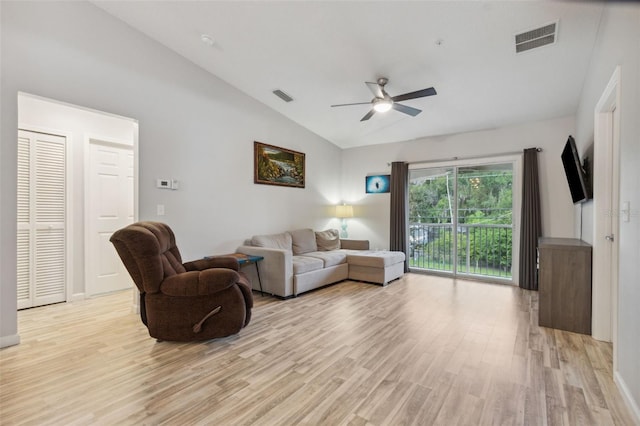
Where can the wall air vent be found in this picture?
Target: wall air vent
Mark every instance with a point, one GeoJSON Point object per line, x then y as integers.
{"type": "Point", "coordinates": [538, 37]}
{"type": "Point", "coordinates": [279, 93]}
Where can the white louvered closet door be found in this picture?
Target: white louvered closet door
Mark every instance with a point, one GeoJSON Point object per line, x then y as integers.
{"type": "Point", "coordinates": [41, 270]}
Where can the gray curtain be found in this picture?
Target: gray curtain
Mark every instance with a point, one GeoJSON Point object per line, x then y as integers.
{"type": "Point", "coordinates": [399, 209]}
{"type": "Point", "coordinates": [531, 228]}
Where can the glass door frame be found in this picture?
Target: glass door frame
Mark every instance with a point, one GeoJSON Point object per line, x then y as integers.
{"type": "Point", "coordinates": [516, 161]}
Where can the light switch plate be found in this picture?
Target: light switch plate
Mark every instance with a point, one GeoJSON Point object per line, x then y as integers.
{"type": "Point", "coordinates": [160, 209]}
{"type": "Point", "coordinates": [626, 211]}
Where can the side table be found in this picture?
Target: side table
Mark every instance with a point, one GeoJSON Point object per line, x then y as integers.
{"type": "Point", "coordinates": [245, 259]}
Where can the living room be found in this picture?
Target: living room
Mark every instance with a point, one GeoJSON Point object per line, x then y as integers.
{"type": "Point", "coordinates": [197, 129]}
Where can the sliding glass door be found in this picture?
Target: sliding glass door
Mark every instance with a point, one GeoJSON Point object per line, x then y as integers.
{"type": "Point", "coordinates": [461, 220]}
{"type": "Point", "coordinates": [431, 218]}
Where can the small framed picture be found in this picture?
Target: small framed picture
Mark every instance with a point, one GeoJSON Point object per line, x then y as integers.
{"type": "Point", "coordinates": [378, 184]}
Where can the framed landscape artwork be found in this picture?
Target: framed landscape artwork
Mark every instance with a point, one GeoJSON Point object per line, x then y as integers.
{"type": "Point", "coordinates": [378, 184]}
{"type": "Point", "coordinates": [273, 165]}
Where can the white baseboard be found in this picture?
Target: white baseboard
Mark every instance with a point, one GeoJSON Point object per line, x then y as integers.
{"type": "Point", "coordinates": [76, 297]}
{"type": "Point", "coordinates": [628, 398]}
{"type": "Point", "coordinates": [12, 340]}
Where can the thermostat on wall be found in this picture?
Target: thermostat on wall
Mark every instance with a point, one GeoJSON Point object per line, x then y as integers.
{"type": "Point", "coordinates": [167, 183]}
{"type": "Point", "coordinates": [163, 183]}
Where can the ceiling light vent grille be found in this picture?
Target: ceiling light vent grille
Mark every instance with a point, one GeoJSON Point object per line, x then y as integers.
{"type": "Point", "coordinates": [279, 93]}
{"type": "Point", "coordinates": [538, 37]}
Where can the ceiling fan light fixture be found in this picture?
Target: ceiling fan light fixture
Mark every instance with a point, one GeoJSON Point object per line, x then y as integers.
{"type": "Point", "coordinates": [382, 105]}
{"type": "Point", "coordinates": [382, 102]}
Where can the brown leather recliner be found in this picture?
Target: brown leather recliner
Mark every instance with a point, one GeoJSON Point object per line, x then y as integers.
{"type": "Point", "coordinates": [198, 300]}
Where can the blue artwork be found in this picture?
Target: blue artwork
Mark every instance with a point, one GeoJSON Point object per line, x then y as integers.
{"type": "Point", "coordinates": [377, 184]}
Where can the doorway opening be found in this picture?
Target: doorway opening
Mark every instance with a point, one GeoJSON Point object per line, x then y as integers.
{"type": "Point", "coordinates": [68, 257]}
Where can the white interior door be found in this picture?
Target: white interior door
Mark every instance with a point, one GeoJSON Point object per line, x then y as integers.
{"type": "Point", "coordinates": [41, 212]}
{"type": "Point", "coordinates": [109, 195]}
{"type": "Point", "coordinates": [613, 226]}
{"type": "Point", "coordinates": [606, 194]}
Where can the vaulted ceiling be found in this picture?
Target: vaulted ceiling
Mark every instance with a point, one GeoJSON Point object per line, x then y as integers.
{"type": "Point", "coordinates": [321, 53]}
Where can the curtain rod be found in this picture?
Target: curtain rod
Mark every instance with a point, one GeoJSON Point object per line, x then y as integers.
{"type": "Point", "coordinates": [475, 157]}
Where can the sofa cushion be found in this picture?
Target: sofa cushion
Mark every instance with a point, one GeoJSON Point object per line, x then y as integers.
{"type": "Point", "coordinates": [330, 258]}
{"type": "Point", "coordinates": [302, 264]}
{"type": "Point", "coordinates": [303, 241]}
{"type": "Point", "coordinates": [375, 259]}
{"type": "Point", "coordinates": [278, 241]}
{"type": "Point", "coordinates": [328, 240]}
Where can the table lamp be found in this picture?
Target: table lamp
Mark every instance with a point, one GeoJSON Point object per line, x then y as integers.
{"type": "Point", "coordinates": [343, 212]}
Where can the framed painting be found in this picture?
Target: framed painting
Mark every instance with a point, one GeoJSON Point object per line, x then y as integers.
{"type": "Point", "coordinates": [273, 165]}
{"type": "Point", "coordinates": [377, 184]}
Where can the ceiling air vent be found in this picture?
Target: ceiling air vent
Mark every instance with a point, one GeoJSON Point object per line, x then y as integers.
{"type": "Point", "coordinates": [279, 93]}
{"type": "Point", "coordinates": [538, 37]}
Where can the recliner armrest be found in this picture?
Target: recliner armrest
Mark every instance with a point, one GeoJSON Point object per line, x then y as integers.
{"type": "Point", "coordinates": [199, 283]}
{"type": "Point", "coordinates": [228, 262]}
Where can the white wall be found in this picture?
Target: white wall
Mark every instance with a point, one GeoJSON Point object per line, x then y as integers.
{"type": "Point", "coordinates": [192, 127]}
{"type": "Point", "coordinates": [372, 210]}
{"type": "Point", "coordinates": [77, 125]}
{"type": "Point", "coordinates": [618, 43]}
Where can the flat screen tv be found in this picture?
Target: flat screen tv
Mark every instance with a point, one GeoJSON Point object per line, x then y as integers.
{"type": "Point", "coordinates": [576, 176]}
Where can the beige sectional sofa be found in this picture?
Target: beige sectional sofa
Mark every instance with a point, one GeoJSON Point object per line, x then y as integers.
{"type": "Point", "coordinates": [302, 260]}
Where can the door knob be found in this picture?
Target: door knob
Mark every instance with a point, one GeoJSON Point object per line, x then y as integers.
{"type": "Point", "coordinates": [609, 238]}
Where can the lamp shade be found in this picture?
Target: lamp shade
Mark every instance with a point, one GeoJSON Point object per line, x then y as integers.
{"type": "Point", "coordinates": [344, 211]}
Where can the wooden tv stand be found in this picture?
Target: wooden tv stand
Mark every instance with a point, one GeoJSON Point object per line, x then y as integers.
{"type": "Point", "coordinates": [564, 284]}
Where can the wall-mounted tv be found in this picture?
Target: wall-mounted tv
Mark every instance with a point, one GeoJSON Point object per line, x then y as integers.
{"type": "Point", "coordinates": [576, 176]}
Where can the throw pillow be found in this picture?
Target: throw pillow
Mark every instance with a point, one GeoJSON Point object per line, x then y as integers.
{"type": "Point", "coordinates": [303, 240]}
{"type": "Point", "coordinates": [328, 240]}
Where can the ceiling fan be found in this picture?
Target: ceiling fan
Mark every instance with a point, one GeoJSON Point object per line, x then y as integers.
{"type": "Point", "coordinates": [382, 102]}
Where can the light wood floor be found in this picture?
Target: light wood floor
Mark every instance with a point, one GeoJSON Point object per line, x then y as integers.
{"type": "Point", "coordinates": [423, 350]}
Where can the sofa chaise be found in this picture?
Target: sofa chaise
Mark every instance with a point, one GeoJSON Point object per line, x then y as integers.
{"type": "Point", "coordinates": [302, 260]}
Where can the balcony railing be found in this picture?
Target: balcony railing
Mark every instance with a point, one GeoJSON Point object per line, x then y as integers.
{"type": "Point", "coordinates": [483, 249]}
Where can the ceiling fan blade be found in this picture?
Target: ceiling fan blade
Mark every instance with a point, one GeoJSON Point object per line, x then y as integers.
{"type": "Point", "coordinates": [406, 109]}
{"type": "Point", "coordinates": [375, 89]}
{"type": "Point", "coordinates": [369, 115]}
{"type": "Point", "coordinates": [357, 103]}
{"type": "Point", "coordinates": [413, 95]}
